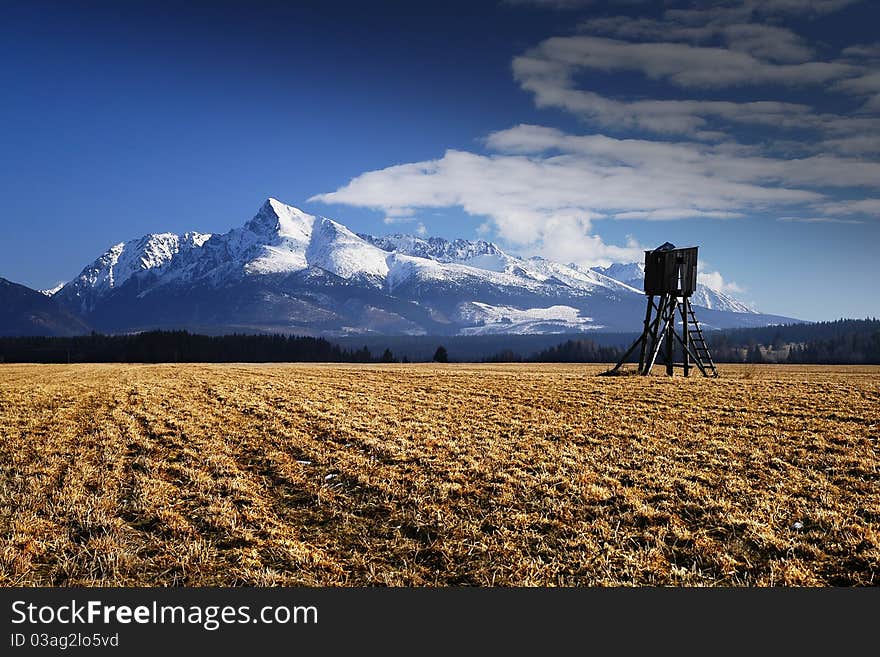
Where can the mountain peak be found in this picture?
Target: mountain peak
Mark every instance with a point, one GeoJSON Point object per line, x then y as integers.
{"type": "Point", "coordinates": [277, 218]}
{"type": "Point", "coordinates": [630, 273]}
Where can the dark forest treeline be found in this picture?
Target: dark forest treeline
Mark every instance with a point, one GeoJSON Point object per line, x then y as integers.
{"type": "Point", "coordinates": [571, 351]}
{"type": "Point", "coordinates": [845, 341]}
{"type": "Point", "coordinates": [578, 351]}
{"type": "Point", "coordinates": [856, 349]}
{"type": "Point", "coordinates": [177, 346]}
{"type": "Point", "coordinates": [797, 333]}
{"type": "Point", "coordinates": [838, 342]}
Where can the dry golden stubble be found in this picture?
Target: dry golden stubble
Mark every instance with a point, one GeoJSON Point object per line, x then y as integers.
{"type": "Point", "coordinates": [415, 475]}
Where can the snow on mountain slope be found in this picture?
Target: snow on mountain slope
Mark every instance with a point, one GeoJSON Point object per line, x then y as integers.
{"type": "Point", "coordinates": [631, 273]}
{"type": "Point", "coordinates": [415, 271]}
{"type": "Point", "coordinates": [706, 297]}
{"type": "Point", "coordinates": [478, 255]}
{"type": "Point", "coordinates": [573, 276]}
{"type": "Point", "coordinates": [52, 290]}
{"type": "Point", "coordinates": [483, 259]}
{"type": "Point", "coordinates": [436, 248]}
{"type": "Point", "coordinates": [282, 239]}
{"type": "Point", "coordinates": [336, 249]}
{"type": "Point", "coordinates": [274, 241]}
{"type": "Point", "coordinates": [124, 260]}
{"type": "Point", "coordinates": [490, 319]}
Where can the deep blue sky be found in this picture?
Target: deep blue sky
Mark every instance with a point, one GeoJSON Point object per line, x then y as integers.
{"type": "Point", "coordinates": [120, 119]}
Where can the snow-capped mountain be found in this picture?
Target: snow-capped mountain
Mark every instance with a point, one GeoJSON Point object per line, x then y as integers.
{"type": "Point", "coordinates": [52, 290]}
{"type": "Point", "coordinates": [706, 297]}
{"type": "Point", "coordinates": [122, 261]}
{"type": "Point", "coordinates": [286, 270]}
{"type": "Point", "coordinates": [633, 274]}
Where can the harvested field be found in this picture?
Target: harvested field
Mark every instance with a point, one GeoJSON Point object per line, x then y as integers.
{"type": "Point", "coordinates": [437, 475]}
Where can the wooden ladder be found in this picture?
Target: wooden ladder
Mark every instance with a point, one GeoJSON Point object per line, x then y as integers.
{"type": "Point", "coordinates": [698, 341]}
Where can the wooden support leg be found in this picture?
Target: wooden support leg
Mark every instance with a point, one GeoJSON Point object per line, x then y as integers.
{"type": "Point", "coordinates": [686, 360]}
{"type": "Point", "coordinates": [670, 344]}
{"type": "Point", "coordinates": [654, 336]}
{"type": "Point", "coordinates": [646, 329]}
{"type": "Point", "coordinates": [659, 332]}
{"type": "Point", "coordinates": [641, 340]}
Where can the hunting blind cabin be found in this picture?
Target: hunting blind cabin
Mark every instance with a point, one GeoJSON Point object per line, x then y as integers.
{"type": "Point", "coordinates": [671, 278]}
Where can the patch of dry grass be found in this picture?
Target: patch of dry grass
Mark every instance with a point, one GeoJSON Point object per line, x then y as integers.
{"type": "Point", "coordinates": [437, 475]}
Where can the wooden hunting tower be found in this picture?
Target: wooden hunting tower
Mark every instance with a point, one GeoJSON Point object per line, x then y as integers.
{"type": "Point", "coordinates": [671, 277]}
{"type": "Point", "coordinates": [671, 271]}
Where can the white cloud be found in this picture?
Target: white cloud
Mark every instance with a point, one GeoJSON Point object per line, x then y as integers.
{"type": "Point", "coordinates": [677, 213]}
{"type": "Point", "coordinates": [542, 189]}
{"type": "Point", "coordinates": [867, 84]}
{"type": "Point", "coordinates": [810, 7]}
{"type": "Point", "coordinates": [679, 64]}
{"type": "Point", "coordinates": [819, 220]}
{"type": "Point", "coordinates": [866, 50]}
{"type": "Point", "coordinates": [551, 73]}
{"type": "Point", "coordinates": [840, 212]}
{"type": "Point", "coordinates": [715, 166]}
{"type": "Point", "coordinates": [501, 188]}
{"type": "Point", "coordinates": [872, 104]}
{"type": "Point", "coordinates": [748, 9]}
{"type": "Point", "coordinates": [867, 206]}
{"type": "Point", "coordinates": [715, 281]}
{"type": "Point", "coordinates": [854, 145]}
{"type": "Point", "coordinates": [673, 117]}
{"type": "Point", "coordinates": [765, 42]}
{"type": "Point", "coordinates": [864, 84]}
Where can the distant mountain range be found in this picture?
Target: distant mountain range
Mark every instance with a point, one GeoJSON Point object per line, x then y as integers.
{"type": "Point", "coordinates": [24, 311]}
{"type": "Point", "coordinates": [288, 271]}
